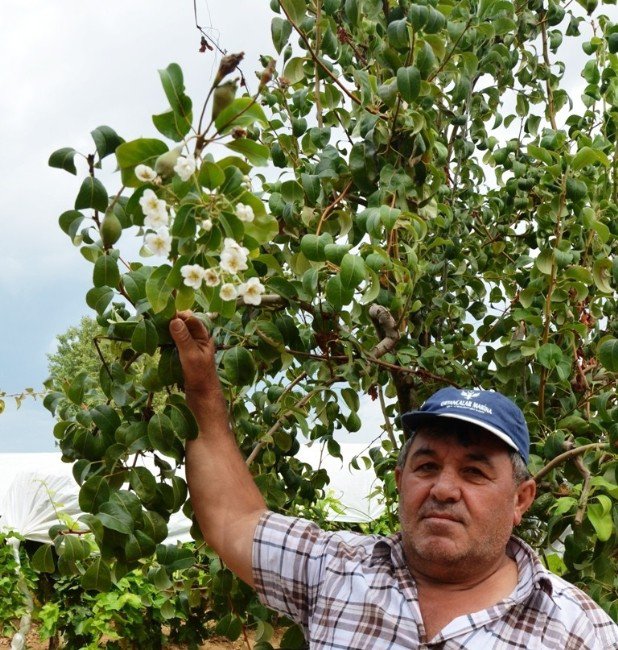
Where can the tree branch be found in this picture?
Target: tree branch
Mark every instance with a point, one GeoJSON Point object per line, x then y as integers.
{"type": "Point", "coordinates": [567, 455]}
{"type": "Point", "coordinates": [386, 327]}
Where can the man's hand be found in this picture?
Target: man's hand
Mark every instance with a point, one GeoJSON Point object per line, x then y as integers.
{"type": "Point", "coordinates": [197, 356]}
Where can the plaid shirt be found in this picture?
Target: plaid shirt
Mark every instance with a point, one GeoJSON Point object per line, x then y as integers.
{"type": "Point", "coordinates": [351, 591]}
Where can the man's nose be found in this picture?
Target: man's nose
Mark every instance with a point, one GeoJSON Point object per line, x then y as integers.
{"type": "Point", "coordinates": [446, 487]}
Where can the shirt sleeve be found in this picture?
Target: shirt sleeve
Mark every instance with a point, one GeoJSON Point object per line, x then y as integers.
{"type": "Point", "coordinates": [287, 564]}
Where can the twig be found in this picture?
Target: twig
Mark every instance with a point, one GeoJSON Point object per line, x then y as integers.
{"type": "Point", "coordinates": [567, 455]}
{"type": "Point", "coordinates": [95, 340]}
{"type": "Point", "coordinates": [583, 499]}
{"type": "Point", "coordinates": [331, 207]}
{"type": "Point", "coordinates": [387, 422]}
{"type": "Point", "coordinates": [279, 423]}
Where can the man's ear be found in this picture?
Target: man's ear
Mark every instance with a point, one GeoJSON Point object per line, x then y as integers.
{"type": "Point", "coordinates": [398, 478]}
{"type": "Point", "coordinates": [524, 496]}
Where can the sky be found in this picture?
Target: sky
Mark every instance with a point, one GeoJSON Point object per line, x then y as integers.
{"type": "Point", "coordinates": [68, 67]}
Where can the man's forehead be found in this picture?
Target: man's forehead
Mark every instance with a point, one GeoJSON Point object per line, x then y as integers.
{"type": "Point", "coordinates": [472, 440]}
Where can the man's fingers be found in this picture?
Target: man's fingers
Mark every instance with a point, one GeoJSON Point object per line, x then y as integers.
{"type": "Point", "coordinates": [194, 325]}
{"type": "Point", "coordinates": [180, 332]}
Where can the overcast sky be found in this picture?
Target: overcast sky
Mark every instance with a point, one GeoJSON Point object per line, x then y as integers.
{"type": "Point", "coordinates": [68, 67]}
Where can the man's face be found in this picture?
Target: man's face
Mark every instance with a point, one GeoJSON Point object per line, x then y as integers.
{"type": "Point", "coordinates": [458, 503]}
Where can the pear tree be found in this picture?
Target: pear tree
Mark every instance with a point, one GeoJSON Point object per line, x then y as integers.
{"type": "Point", "coordinates": [409, 196]}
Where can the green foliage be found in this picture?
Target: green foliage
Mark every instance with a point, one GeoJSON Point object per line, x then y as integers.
{"type": "Point", "coordinates": [431, 170]}
{"type": "Point", "coordinates": [12, 603]}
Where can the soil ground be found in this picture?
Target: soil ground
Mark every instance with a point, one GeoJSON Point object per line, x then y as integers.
{"type": "Point", "coordinates": [33, 642]}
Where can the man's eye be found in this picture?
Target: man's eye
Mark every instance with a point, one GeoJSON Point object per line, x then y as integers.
{"type": "Point", "coordinates": [474, 471]}
{"type": "Point", "coordinates": [425, 467]}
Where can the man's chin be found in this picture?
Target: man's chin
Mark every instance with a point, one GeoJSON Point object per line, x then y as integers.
{"type": "Point", "coordinates": [439, 548]}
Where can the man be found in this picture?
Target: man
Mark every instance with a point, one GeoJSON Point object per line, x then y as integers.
{"type": "Point", "coordinates": [453, 578]}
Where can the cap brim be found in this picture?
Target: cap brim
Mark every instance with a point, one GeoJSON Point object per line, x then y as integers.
{"type": "Point", "coordinates": [413, 420]}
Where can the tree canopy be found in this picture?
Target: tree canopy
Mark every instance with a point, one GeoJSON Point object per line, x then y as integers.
{"type": "Point", "coordinates": [409, 197]}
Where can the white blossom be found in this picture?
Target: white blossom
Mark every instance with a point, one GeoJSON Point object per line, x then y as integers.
{"type": "Point", "coordinates": [193, 275]}
{"type": "Point", "coordinates": [159, 243]}
{"type": "Point", "coordinates": [228, 291]}
{"type": "Point", "coordinates": [232, 244]}
{"type": "Point", "coordinates": [233, 257]}
{"type": "Point", "coordinates": [251, 291]}
{"type": "Point", "coordinates": [149, 202]}
{"type": "Point", "coordinates": [207, 225]}
{"type": "Point", "coordinates": [145, 173]}
{"type": "Point", "coordinates": [185, 167]}
{"type": "Point", "coordinates": [244, 212]}
{"type": "Point", "coordinates": [211, 278]}
{"type": "Point", "coordinates": [157, 217]}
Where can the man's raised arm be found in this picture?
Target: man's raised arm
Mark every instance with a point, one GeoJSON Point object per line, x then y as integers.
{"type": "Point", "coordinates": [226, 501]}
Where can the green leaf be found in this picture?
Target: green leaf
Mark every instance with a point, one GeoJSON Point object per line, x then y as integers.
{"type": "Point", "coordinates": [171, 125]}
{"type": "Point", "coordinates": [312, 186]}
{"type": "Point", "coordinates": [154, 526]}
{"type": "Point", "coordinates": [243, 111]}
{"type": "Point", "coordinates": [295, 9]}
{"type": "Point", "coordinates": [113, 516]}
{"type": "Point", "coordinates": [174, 88]}
{"type": "Point", "coordinates": [544, 261]}
{"type": "Point", "coordinates": [98, 298]}
{"type": "Point", "coordinates": [549, 355]}
{"type": "Point", "coordinates": [600, 516]}
{"type": "Point", "coordinates": [293, 638]}
{"type": "Point", "coordinates": [161, 433]}
{"type": "Point", "coordinates": [409, 82]}
{"type": "Point", "coordinates": [138, 546]}
{"type": "Point", "coordinates": [106, 419]}
{"type": "Point", "coordinates": [336, 294]}
{"type": "Point", "coordinates": [106, 273]}
{"type": "Point", "coordinates": [175, 558]}
{"type": "Point", "coordinates": [294, 70]}
{"type": "Point", "coordinates": [239, 366]}
{"type": "Point", "coordinates": [257, 154]}
{"type": "Point", "coordinates": [426, 60]}
{"type": "Point", "coordinates": [169, 368]}
{"type": "Point", "coordinates": [280, 30]}
{"type": "Point", "coordinates": [77, 388]}
{"type": "Point", "coordinates": [106, 140]}
{"type": "Point", "coordinates": [352, 271]}
{"type": "Point", "coordinates": [282, 287]}
{"type": "Point", "coordinates": [313, 247]}
{"type": "Point", "coordinates": [373, 290]}
{"type": "Point", "coordinates": [92, 194]}
{"type": "Point", "coordinates": [158, 291]}
{"type": "Point", "coordinates": [335, 252]}
{"type": "Point", "coordinates": [43, 559]}
{"type": "Point", "coordinates": [98, 576]}
{"type": "Point", "coordinates": [608, 354]}
{"type": "Point", "coordinates": [64, 159]}
{"type": "Point", "coordinates": [397, 33]}
{"type": "Point", "coordinates": [230, 625]}
{"type": "Point", "coordinates": [72, 549]}
{"type": "Point", "coordinates": [70, 222]}
{"type": "Point", "coordinates": [93, 493]}
{"type": "Point", "coordinates": [145, 338]}
{"type": "Point", "coordinates": [211, 175]}
{"type": "Point", "coordinates": [544, 155]}
{"type": "Point", "coordinates": [143, 151]}
{"type": "Point", "coordinates": [602, 274]}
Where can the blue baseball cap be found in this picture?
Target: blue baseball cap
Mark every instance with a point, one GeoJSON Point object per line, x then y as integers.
{"type": "Point", "coordinates": [487, 409]}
